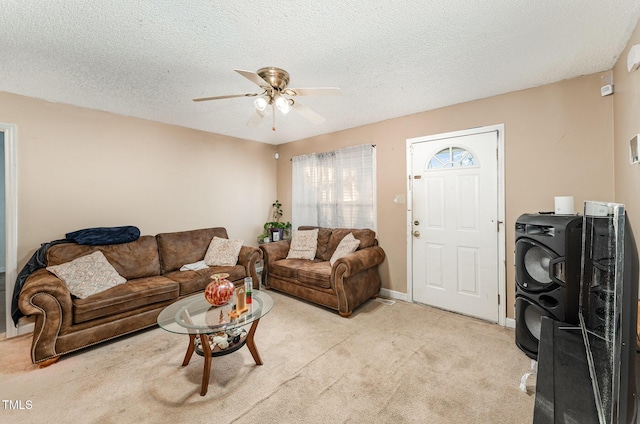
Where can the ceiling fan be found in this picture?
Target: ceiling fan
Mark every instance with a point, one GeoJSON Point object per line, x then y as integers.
{"type": "Point", "coordinates": [273, 82]}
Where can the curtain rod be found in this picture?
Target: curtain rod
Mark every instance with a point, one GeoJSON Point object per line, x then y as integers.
{"type": "Point", "coordinates": [291, 159]}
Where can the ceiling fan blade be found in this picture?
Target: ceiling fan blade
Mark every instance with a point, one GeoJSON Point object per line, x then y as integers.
{"type": "Point", "coordinates": [255, 119]}
{"type": "Point", "coordinates": [311, 115]}
{"type": "Point", "coordinates": [314, 91]}
{"type": "Point", "coordinates": [230, 96]}
{"type": "Point", "coordinates": [254, 78]}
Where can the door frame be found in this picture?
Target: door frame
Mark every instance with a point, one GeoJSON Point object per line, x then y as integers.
{"type": "Point", "coordinates": [502, 287]}
{"type": "Point", "coordinates": [11, 219]}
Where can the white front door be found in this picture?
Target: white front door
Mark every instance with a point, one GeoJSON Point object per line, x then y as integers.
{"type": "Point", "coordinates": [454, 224]}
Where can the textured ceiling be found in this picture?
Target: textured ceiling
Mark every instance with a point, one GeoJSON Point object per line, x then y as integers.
{"type": "Point", "coordinates": [148, 59]}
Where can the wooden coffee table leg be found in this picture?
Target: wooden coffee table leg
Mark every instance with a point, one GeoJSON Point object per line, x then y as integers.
{"type": "Point", "coordinates": [190, 349]}
{"type": "Point", "coordinates": [251, 343]}
{"type": "Point", "coordinates": [206, 351]}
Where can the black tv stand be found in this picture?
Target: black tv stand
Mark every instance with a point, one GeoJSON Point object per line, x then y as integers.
{"type": "Point", "coordinates": [564, 393]}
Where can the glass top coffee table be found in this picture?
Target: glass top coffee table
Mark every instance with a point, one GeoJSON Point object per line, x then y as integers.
{"type": "Point", "coordinates": [211, 330]}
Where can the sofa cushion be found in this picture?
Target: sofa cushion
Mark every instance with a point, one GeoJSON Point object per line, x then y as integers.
{"type": "Point", "coordinates": [185, 247]}
{"type": "Point", "coordinates": [223, 252]}
{"type": "Point", "coordinates": [194, 281]}
{"type": "Point", "coordinates": [136, 259]}
{"type": "Point", "coordinates": [347, 245]}
{"type": "Point", "coordinates": [125, 297]}
{"type": "Point", "coordinates": [323, 242]}
{"type": "Point", "coordinates": [315, 273]}
{"type": "Point", "coordinates": [87, 275]}
{"type": "Point", "coordinates": [366, 237]}
{"type": "Point", "coordinates": [303, 245]}
{"type": "Point", "coordinates": [287, 268]}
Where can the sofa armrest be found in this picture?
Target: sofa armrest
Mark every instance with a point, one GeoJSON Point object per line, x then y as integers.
{"type": "Point", "coordinates": [355, 278]}
{"type": "Point", "coordinates": [272, 252]}
{"type": "Point", "coordinates": [275, 251]}
{"type": "Point", "coordinates": [248, 257]}
{"type": "Point", "coordinates": [358, 261]}
{"type": "Point", "coordinates": [48, 298]}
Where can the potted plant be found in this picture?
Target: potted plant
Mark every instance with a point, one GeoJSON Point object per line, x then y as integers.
{"type": "Point", "coordinates": [275, 230]}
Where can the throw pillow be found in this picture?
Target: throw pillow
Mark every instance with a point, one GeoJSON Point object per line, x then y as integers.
{"type": "Point", "coordinates": [303, 244]}
{"type": "Point", "coordinates": [223, 252]}
{"type": "Point", "coordinates": [87, 275]}
{"type": "Point", "coordinates": [347, 245]}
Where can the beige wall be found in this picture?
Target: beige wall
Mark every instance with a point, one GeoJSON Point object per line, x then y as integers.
{"type": "Point", "coordinates": [626, 124]}
{"type": "Point", "coordinates": [558, 141]}
{"type": "Point", "coordinates": [81, 168]}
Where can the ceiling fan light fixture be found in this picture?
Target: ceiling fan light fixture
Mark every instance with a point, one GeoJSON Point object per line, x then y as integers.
{"type": "Point", "coordinates": [275, 94]}
{"type": "Point", "coordinates": [283, 105]}
{"type": "Point", "coordinates": [261, 104]}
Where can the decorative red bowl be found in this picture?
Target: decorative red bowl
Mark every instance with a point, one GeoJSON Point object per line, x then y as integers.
{"type": "Point", "coordinates": [220, 291]}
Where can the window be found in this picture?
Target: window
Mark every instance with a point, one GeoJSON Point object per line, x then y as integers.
{"type": "Point", "coordinates": [451, 157]}
{"type": "Point", "coordinates": [335, 189]}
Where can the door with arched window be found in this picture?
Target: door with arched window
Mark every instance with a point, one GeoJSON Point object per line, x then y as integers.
{"type": "Point", "coordinates": [454, 224]}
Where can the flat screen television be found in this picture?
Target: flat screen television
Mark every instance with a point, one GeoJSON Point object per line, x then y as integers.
{"type": "Point", "coordinates": [608, 309]}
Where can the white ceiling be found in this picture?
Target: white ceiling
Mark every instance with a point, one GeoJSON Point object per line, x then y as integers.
{"type": "Point", "coordinates": [149, 58]}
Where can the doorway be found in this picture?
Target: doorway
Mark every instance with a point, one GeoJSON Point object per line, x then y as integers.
{"type": "Point", "coordinates": [3, 291]}
{"type": "Point", "coordinates": [9, 224]}
{"type": "Point", "coordinates": [455, 231]}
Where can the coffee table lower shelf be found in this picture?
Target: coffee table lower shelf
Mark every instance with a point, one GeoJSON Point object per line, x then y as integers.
{"type": "Point", "coordinates": [206, 352]}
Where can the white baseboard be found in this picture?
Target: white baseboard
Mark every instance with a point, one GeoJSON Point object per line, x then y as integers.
{"type": "Point", "coordinates": [392, 294]}
{"type": "Point", "coordinates": [510, 323]}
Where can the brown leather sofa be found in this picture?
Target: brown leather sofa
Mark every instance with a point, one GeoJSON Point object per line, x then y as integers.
{"type": "Point", "coordinates": [351, 281]}
{"type": "Point", "coordinates": [151, 266]}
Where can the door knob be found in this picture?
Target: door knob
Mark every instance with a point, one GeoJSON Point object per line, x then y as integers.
{"type": "Point", "coordinates": [416, 233]}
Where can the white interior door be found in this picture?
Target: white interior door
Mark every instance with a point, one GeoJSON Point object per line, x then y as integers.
{"type": "Point", "coordinates": [455, 224]}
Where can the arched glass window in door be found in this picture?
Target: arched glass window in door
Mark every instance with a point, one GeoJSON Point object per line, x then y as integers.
{"type": "Point", "coordinates": [451, 157]}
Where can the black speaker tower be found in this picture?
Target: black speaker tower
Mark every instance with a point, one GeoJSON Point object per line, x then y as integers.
{"type": "Point", "coordinates": [547, 261]}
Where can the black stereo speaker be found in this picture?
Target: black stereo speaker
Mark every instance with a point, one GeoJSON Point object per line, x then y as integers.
{"type": "Point", "coordinates": [547, 261]}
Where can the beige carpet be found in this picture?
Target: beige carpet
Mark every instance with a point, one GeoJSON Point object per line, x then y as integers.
{"type": "Point", "coordinates": [400, 363]}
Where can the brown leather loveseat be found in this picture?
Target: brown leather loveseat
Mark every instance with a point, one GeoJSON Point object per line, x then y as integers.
{"type": "Point", "coordinates": [351, 281]}
{"type": "Point", "coordinates": [151, 265]}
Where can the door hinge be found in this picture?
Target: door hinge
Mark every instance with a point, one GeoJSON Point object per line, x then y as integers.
{"type": "Point", "coordinates": [498, 299]}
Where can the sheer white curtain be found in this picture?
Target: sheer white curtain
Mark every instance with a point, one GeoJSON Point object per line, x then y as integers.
{"type": "Point", "coordinates": [335, 189]}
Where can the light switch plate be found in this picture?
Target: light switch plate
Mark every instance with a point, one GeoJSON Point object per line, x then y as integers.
{"type": "Point", "coordinates": [633, 149]}
{"type": "Point", "coordinates": [399, 199]}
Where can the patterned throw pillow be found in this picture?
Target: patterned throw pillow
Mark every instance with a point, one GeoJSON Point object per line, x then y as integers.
{"type": "Point", "coordinates": [223, 252]}
{"type": "Point", "coordinates": [87, 275]}
{"type": "Point", "coordinates": [303, 244]}
{"type": "Point", "coordinates": [347, 245]}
